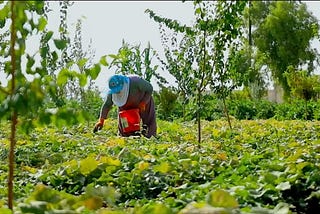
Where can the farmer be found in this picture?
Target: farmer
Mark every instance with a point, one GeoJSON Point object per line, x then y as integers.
{"type": "Point", "coordinates": [130, 93]}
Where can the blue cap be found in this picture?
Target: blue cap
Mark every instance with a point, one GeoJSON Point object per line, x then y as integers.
{"type": "Point", "coordinates": [116, 83]}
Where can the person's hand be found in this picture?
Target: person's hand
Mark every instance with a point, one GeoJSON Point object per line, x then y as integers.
{"type": "Point", "coordinates": [142, 106]}
{"type": "Point", "coordinates": [98, 125]}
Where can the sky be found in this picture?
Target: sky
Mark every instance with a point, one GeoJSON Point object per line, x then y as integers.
{"type": "Point", "coordinates": [107, 23]}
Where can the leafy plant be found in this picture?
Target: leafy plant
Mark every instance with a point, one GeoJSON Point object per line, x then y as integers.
{"type": "Point", "coordinates": [131, 60]}
{"type": "Point", "coordinates": [303, 86]}
{"type": "Point", "coordinates": [168, 105]}
{"type": "Point", "coordinates": [259, 166]}
{"type": "Point", "coordinates": [27, 88]}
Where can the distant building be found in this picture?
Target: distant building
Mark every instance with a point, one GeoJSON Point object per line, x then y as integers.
{"type": "Point", "coordinates": [275, 95]}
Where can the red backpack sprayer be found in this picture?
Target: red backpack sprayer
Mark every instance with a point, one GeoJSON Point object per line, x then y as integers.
{"type": "Point", "coordinates": [130, 121]}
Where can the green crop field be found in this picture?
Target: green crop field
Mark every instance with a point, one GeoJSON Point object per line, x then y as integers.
{"type": "Point", "coordinates": [265, 166]}
{"type": "Point", "coordinates": [244, 74]}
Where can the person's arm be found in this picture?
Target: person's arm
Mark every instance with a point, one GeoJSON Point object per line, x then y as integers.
{"type": "Point", "coordinates": [103, 113]}
{"type": "Point", "coordinates": [105, 108]}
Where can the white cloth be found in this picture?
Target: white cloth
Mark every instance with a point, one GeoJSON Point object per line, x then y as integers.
{"type": "Point", "coordinates": [120, 99]}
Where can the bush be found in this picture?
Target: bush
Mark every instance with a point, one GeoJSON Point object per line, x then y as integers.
{"type": "Point", "coordinates": [295, 110]}
{"type": "Point", "coordinates": [167, 105]}
{"type": "Point", "coordinates": [265, 109]}
{"type": "Point", "coordinates": [242, 109]}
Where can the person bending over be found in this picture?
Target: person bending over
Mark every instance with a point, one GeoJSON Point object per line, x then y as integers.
{"type": "Point", "coordinates": [130, 93]}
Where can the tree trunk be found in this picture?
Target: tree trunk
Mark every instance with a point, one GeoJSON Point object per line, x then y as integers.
{"type": "Point", "coordinates": [306, 110]}
{"type": "Point", "coordinates": [14, 117]}
{"type": "Point", "coordinates": [226, 112]}
{"type": "Point", "coordinates": [198, 117]}
{"type": "Point", "coordinates": [11, 159]}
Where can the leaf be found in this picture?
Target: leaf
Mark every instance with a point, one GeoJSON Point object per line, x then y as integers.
{"type": "Point", "coordinates": [103, 61]}
{"type": "Point", "coordinates": [63, 77]}
{"type": "Point", "coordinates": [44, 52]}
{"type": "Point", "coordinates": [221, 198]}
{"type": "Point", "coordinates": [5, 211]}
{"type": "Point", "coordinates": [35, 207]}
{"type": "Point", "coordinates": [82, 62]}
{"type": "Point", "coordinates": [88, 165]}
{"type": "Point", "coordinates": [281, 208]}
{"type": "Point", "coordinates": [94, 71]}
{"type": "Point", "coordinates": [82, 79]}
{"type": "Point", "coordinates": [60, 44]}
{"type": "Point", "coordinates": [45, 194]}
{"type": "Point", "coordinates": [110, 161]}
{"type": "Point", "coordinates": [157, 208]}
{"type": "Point", "coordinates": [113, 56]}
{"type": "Point", "coordinates": [93, 203]}
{"type": "Point", "coordinates": [4, 12]}
{"type": "Point", "coordinates": [48, 36]}
{"type": "Point", "coordinates": [42, 23]}
{"type": "Point", "coordinates": [283, 186]}
{"type": "Point", "coordinates": [164, 167]}
{"type": "Point", "coordinates": [142, 165]}
{"type": "Point", "coordinates": [30, 63]}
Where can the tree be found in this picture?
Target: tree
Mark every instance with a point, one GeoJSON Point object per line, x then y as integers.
{"type": "Point", "coordinates": [226, 31]}
{"type": "Point", "coordinates": [201, 61]}
{"type": "Point", "coordinates": [283, 33]}
{"type": "Point", "coordinates": [250, 62]}
{"type": "Point", "coordinates": [28, 87]}
{"type": "Point", "coordinates": [254, 77]}
{"type": "Point", "coordinates": [191, 72]}
{"type": "Point", "coordinates": [179, 59]}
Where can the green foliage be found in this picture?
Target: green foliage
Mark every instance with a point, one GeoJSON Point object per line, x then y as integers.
{"type": "Point", "coordinates": [46, 81]}
{"type": "Point", "coordinates": [302, 85]}
{"type": "Point", "coordinates": [292, 111]}
{"type": "Point", "coordinates": [26, 96]}
{"type": "Point", "coordinates": [245, 109]}
{"type": "Point", "coordinates": [241, 106]}
{"type": "Point", "coordinates": [179, 58]}
{"type": "Point", "coordinates": [167, 104]}
{"type": "Point", "coordinates": [172, 24]}
{"type": "Point", "coordinates": [249, 66]}
{"type": "Point", "coordinates": [259, 166]}
{"type": "Point", "coordinates": [283, 35]}
{"type": "Point", "coordinates": [221, 198]}
{"type": "Point", "coordinates": [91, 103]}
{"type": "Point", "coordinates": [196, 67]}
{"type": "Point", "coordinates": [131, 60]}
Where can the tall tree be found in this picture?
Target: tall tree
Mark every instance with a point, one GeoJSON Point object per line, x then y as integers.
{"type": "Point", "coordinates": [226, 31]}
{"type": "Point", "coordinates": [27, 88]}
{"type": "Point", "coordinates": [284, 30]}
{"type": "Point", "coordinates": [214, 30]}
{"type": "Point", "coordinates": [72, 55]}
{"type": "Point", "coordinates": [179, 59]}
{"type": "Point", "coordinates": [187, 62]}
{"type": "Point", "coordinates": [250, 62]}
